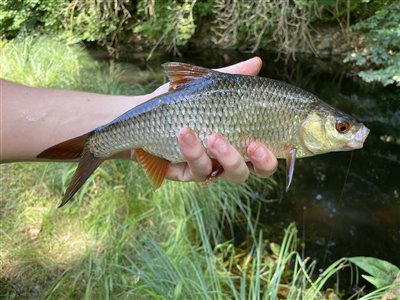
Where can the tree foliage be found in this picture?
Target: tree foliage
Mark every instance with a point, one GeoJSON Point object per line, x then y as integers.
{"type": "Point", "coordinates": [380, 49]}
{"type": "Point", "coordinates": [29, 15]}
{"type": "Point", "coordinates": [169, 24]}
{"type": "Point", "coordinates": [285, 26]}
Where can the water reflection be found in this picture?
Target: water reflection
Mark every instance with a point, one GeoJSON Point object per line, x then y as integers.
{"type": "Point", "coordinates": [345, 204]}
{"type": "Point", "coordinates": [348, 202]}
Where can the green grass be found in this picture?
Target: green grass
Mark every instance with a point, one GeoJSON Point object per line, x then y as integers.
{"type": "Point", "coordinates": [122, 240]}
{"type": "Point", "coordinates": [44, 62]}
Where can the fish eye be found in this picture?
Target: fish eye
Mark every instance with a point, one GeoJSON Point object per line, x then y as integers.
{"type": "Point", "coordinates": [342, 126]}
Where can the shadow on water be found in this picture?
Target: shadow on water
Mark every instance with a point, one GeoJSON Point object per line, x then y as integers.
{"type": "Point", "coordinates": [342, 208]}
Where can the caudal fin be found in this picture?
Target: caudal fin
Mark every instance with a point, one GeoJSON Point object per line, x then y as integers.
{"type": "Point", "coordinates": [87, 164]}
{"type": "Point", "coordinates": [70, 149]}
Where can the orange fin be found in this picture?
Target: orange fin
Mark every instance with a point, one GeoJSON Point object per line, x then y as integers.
{"type": "Point", "coordinates": [156, 167]}
{"type": "Point", "coordinates": [87, 164]}
{"type": "Point", "coordinates": [217, 170]}
{"type": "Point", "coordinates": [290, 152]}
{"type": "Point", "coordinates": [180, 73]}
{"type": "Point", "coordinates": [70, 149]}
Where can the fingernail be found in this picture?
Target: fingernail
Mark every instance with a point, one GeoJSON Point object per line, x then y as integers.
{"type": "Point", "coordinates": [187, 138]}
{"type": "Point", "coordinates": [220, 145]}
{"type": "Point", "coordinates": [260, 152]}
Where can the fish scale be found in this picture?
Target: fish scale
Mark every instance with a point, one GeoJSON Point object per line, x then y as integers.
{"type": "Point", "coordinates": [263, 109]}
{"type": "Point", "coordinates": [290, 121]}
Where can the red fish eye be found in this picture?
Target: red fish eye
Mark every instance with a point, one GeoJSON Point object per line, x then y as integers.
{"type": "Point", "coordinates": [342, 126]}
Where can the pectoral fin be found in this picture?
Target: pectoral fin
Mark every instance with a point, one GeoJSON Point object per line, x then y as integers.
{"type": "Point", "coordinates": [217, 171]}
{"type": "Point", "coordinates": [156, 167]}
{"type": "Point", "coordinates": [290, 152]}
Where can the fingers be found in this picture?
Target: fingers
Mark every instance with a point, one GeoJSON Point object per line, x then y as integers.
{"type": "Point", "coordinates": [193, 151]}
{"type": "Point", "coordinates": [248, 67]}
{"type": "Point", "coordinates": [235, 168]}
{"type": "Point", "coordinates": [264, 162]}
{"type": "Point", "coordinates": [199, 165]}
{"type": "Point", "coordinates": [160, 90]}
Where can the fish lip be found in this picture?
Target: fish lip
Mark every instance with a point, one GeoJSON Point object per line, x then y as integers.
{"type": "Point", "coordinates": [359, 139]}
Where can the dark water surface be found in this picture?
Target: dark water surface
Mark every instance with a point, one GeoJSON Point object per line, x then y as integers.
{"type": "Point", "coordinates": [345, 204]}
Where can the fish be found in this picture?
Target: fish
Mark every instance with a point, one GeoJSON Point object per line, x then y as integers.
{"type": "Point", "coordinates": [292, 122]}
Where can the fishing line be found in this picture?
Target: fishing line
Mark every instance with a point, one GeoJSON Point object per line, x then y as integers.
{"type": "Point", "coordinates": [339, 201]}
{"type": "Point", "coordinates": [347, 176]}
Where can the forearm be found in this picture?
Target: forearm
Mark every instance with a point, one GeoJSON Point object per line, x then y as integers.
{"type": "Point", "coordinates": [34, 119]}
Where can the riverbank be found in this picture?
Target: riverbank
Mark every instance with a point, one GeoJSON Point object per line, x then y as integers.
{"type": "Point", "coordinates": [186, 241]}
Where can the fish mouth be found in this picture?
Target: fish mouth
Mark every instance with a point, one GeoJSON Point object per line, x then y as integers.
{"type": "Point", "coordinates": [358, 141]}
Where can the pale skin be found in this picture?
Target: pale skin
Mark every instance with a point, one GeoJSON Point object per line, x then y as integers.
{"type": "Point", "coordinates": [34, 119]}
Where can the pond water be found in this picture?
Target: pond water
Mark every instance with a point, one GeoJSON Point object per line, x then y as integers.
{"type": "Point", "coordinates": [345, 204]}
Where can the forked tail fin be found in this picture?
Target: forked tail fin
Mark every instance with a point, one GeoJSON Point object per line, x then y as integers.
{"type": "Point", "coordinates": [70, 149]}
{"type": "Point", "coordinates": [73, 149]}
{"type": "Point", "coordinates": [87, 164]}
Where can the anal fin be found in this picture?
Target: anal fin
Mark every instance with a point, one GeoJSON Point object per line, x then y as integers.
{"type": "Point", "coordinates": [156, 167]}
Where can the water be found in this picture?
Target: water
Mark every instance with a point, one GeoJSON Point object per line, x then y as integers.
{"type": "Point", "coordinates": [341, 209]}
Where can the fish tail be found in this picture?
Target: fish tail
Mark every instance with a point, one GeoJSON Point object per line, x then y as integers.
{"type": "Point", "coordinates": [87, 165]}
{"type": "Point", "coordinates": [74, 149]}
{"type": "Point", "coordinates": [70, 149]}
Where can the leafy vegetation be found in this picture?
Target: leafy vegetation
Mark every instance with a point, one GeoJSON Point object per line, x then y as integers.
{"type": "Point", "coordinates": [286, 27]}
{"type": "Point", "coordinates": [120, 239]}
{"type": "Point", "coordinates": [382, 272]}
{"type": "Point", "coordinates": [167, 24]}
{"type": "Point", "coordinates": [379, 52]}
{"type": "Point", "coordinates": [29, 15]}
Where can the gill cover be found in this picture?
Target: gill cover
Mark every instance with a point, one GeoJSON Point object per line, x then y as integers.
{"type": "Point", "coordinates": [328, 130]}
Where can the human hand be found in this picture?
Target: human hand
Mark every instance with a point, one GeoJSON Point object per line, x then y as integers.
{"type": "Point", "coordinates": [198, 164]}
{"type": "Point", "coordinates": [38, 113]}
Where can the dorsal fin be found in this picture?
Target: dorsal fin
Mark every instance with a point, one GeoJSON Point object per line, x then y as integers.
{"type": "Point", "coordinates": [180, 73]}
{"type": "Point", "coordinates": [156, 167]}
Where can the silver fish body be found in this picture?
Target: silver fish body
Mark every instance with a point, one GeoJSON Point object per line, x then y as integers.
{"type": "Point", "coordinates": [290, 121]}
{"type": "Point", "coordinates": [241, 108]}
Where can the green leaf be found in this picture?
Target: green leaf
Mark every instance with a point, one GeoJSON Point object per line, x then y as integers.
{"type": "Point", "coordinates": [275, 248]}
{"type": "Point", "coordinates": [383, 273]}
{"type": "Point", "coordinates": [377, 282]}
{"type": "Point", "coordinates": [178, 290]}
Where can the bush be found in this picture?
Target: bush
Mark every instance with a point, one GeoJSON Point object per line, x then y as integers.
{"type": "Point", "coordinates": [28, 15]}
{"type": "Point", "coordinates": [380, 51]}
